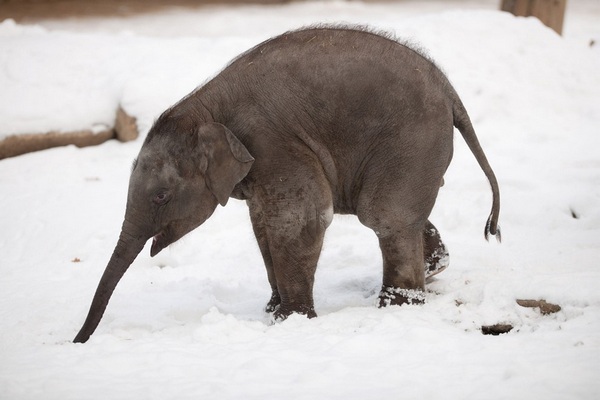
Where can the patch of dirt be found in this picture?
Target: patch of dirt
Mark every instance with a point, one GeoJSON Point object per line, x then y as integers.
{"type": "Point", "coordinates": [545, 307]}
{"type": "Point", "coordinates": [500, 328]}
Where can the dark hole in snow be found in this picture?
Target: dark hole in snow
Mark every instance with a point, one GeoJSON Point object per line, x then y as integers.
{"type": "Point", "coordinates": [496, 329]}
{"type": "Point", "coordinates": [574, 213]}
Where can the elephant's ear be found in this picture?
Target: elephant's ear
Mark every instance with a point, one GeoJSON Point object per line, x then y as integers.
{"type": "Point", "coordinates": [228, 160]}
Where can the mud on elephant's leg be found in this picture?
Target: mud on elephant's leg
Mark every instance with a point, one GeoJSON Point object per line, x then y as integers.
{"type": "Point", "coordinates": [403, 274]}
{"type": "Point", "coordinates": [274, 301]}
{"type": "Point", "coordinates": [435, 253]}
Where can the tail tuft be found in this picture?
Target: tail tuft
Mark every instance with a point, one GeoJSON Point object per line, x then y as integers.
{"type": "Point", "coordinates": [492, 228]}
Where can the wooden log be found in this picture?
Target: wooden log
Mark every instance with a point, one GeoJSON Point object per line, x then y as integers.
{"type": "Point", "coordinates": [125, 126]}
{"type": "Point", "coordinates": [16, 145]}
{"type": "Point", "coordinates": [550, 12]}
{"type": "Point", "coordinates": [125, 130]}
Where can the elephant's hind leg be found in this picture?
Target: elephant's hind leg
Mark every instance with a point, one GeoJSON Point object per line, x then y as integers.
{"type": "Point", "coordinates": [403, 284]}
{"type": "Point", "coordinates": [396, 207]}
{"type": "Point", "coordinates": [403, 274]}
{"type": "Point", "coordinates": [435, 253]}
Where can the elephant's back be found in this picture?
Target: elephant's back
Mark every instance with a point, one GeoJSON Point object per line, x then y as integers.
{"type": "Point", "coordinates": [328, 70]}
{"type": "Point", "coordinates": [343, 87]}
{"type": "Point", "coordinates": [336, 56]}
{"type": "Point", "coordinates": [318, 44]}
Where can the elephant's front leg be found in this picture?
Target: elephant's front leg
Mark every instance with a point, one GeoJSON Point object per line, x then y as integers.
{"type": "Point", "coordinates": [260, 231]}
{"type": "Point", "coordinates": [295, 256]}
{"type": "Point", "coordinates": [290, 225]}
{"type": "Point", "coordinates": [295, 236]}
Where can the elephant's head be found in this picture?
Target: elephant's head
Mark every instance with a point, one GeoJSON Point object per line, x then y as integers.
{"type": "Point", "coordinates": [177, 181]}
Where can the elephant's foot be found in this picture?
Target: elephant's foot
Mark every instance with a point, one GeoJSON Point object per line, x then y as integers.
{"type": "Point", "coordinates": [436, 255]}
{"type": "Point", "coordinates": [274, 302]}
{"type": "Point", "coordinates": [393, 296]}
{"type": "Point", "coordinates": [282, 311]}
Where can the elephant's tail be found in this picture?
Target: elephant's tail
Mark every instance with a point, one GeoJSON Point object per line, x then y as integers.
{"type": "Point", "coordinates": [464, 125]}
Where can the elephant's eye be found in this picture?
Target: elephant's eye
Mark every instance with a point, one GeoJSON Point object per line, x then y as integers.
{"type": "Point", "coordinates": [161, 198]}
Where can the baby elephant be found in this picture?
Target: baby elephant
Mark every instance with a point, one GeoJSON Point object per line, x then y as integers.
{"type": "Point", "coordinates": [310, 123]}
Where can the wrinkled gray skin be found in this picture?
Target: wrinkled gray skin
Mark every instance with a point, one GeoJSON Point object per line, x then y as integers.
{"type": "Point", "coordinates": [305, 125]}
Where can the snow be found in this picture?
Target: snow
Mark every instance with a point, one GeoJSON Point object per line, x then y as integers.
{"type": "Point", "coordinates": [189, 323]}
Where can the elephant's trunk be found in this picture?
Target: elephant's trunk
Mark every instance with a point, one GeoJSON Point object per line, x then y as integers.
{"type": "Point", "coordinates": [129, 246]}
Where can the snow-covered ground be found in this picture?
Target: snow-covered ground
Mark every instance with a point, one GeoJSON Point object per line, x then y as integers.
{"type": "Point", "coordinates": [189, 323]}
